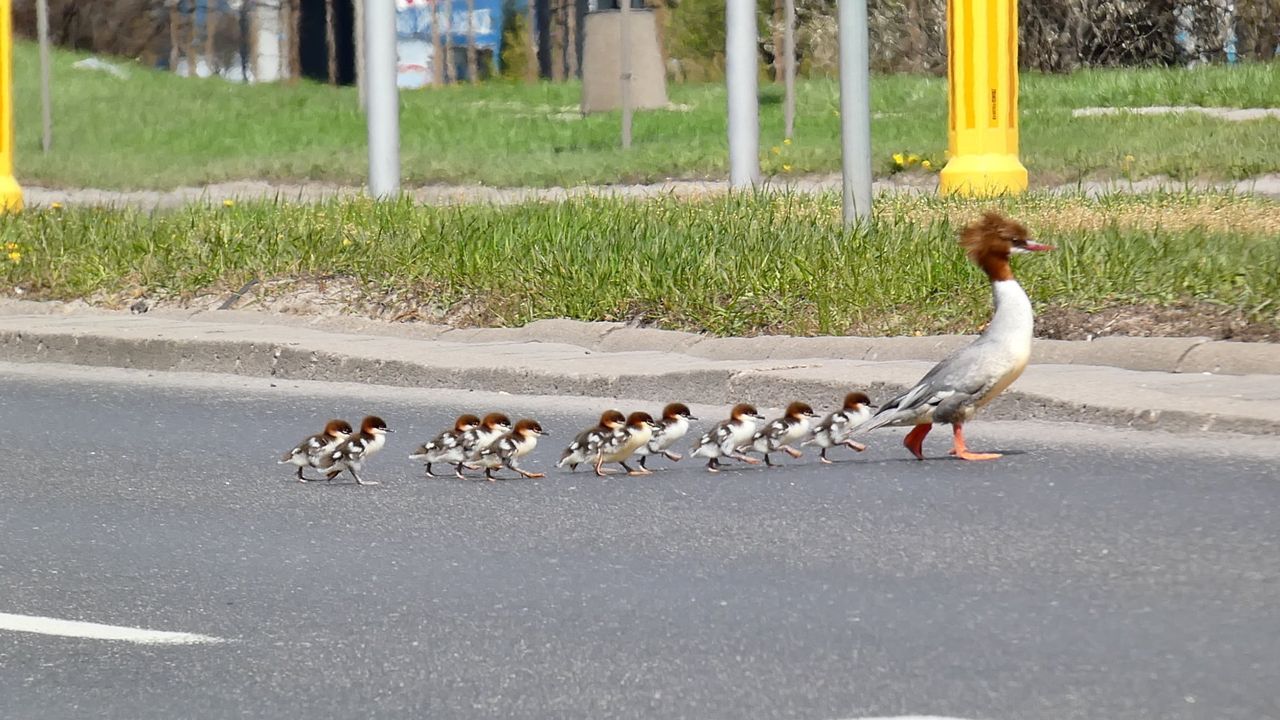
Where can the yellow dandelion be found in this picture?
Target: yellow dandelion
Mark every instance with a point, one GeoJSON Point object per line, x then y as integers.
{"type": "Point", "coordinates": [786, 168]}
{"type": "Point", "coordinates": [228, 203]}
{"type": "Point", "coordinates": [787, 141]}
{"type": "Point", "coordinates": [899, 160]}
{"type": "Point", "coordinates": [926, 164]}
{"type": "Point", "coordinates": [55, 205]}
{"type": "Point", "coordinates": [11, 246]}
{"type": "Point", "coordinates": [346, 242]}
{"type": "Point", "coordinates": [775, 150]}
{"type": "Point", "coordinates": [15, 257]}
{"type": "Point", "coordinates": [1128, 158]}
{"type": "Point", "coordinates": [913, 159]}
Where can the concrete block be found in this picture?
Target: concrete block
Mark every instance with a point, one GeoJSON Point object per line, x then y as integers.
{"type": "Point", "coordinates": [929, 347]}
{"type": "Point", "coordinates": [627, 339]}
{"type": "Point", "coordinates": [1232, 358]}
{"type": "Point", "coordinates": [569, 332]}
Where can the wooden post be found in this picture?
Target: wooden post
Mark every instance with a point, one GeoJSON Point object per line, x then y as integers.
{"type": "Point", "coordinates": [437, 47]}
{"type": "Point", "coordinates": [557, 41]}
{"type": "Point", "coordinates": [284, 50]}
{"type": "Point", "coordinates": [295, 39]}
{"type": "Point", "coordinates": [175, 36]}
{"type": "Point", "coordinates": [473, 65]}
{"type": "Point", "coordinates": [330, 42]}
{"type": "Point", "coordinates": [362, 89]}
{"type": "Point", "coordinates": [531, 18]}
{"type": "Point", "coordinates": [448, 42]}
{"type": "Point", "coordinates": [192, 42]}
{"type": "Point", "coordinates": [210, 28]}
{"type": "Point", "coordinates": [571, 37]}
{"type": "Point", "coordinates": [779, 40]}
{"type": "Point", "coordinates": [251, 46]}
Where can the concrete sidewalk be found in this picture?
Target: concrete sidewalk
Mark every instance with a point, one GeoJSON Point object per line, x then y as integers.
{"type": "Point", "coordinates": [1173, 384]}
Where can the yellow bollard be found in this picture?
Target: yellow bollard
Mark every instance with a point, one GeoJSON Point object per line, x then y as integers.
{"type": "Point", "coordinates": [982, 60]}
{"type": "Point", "coordinates": [10, 193]}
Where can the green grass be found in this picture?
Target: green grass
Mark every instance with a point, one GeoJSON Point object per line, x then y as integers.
{"type": "Point", "coordinates": [737, 265]}
{"type": "Point", "coordinates": [156, 130]}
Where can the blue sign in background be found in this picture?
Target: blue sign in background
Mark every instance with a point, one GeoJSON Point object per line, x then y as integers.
{"type": "Point", "coordinates": [414, 22]}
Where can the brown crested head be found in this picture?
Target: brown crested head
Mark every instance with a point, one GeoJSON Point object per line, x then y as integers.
{"type": "Point", "coordinates": [799, 409]}
{"type": "Point", "coordinates": [496, 421]}
{"type": "Point", "coordinates": [636, 419]}
{"type": "Point", "coordinates": [372, 424]}
{"type": "Point", "coordinates": [854, 399]}
{"type": "Point", "coordinates": [465, 422]}
{"type": "Point", "coordinates": [612, 419]}
{"type": "Point", "coordinates": [744, 410]}
{"type": "Point", "coordinates": [337, 428]}
{"type": "Point", "coordinates": [991, 239]}
{"type": "Point", "coordinates": [529, 427]}
{"type": "Point", "coordinates": [677, 410]}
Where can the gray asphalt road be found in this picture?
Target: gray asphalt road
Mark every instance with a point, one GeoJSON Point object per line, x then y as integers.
{"type": "Point", "coordinates": [1091, 574]}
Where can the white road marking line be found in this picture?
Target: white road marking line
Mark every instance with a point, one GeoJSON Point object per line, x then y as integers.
{"type": "Point", "coordinates": [910, 717]}
{"type": "Point", "coordinates": [96, 631]}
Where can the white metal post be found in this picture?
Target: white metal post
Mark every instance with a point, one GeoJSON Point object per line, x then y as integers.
{"type": "Point", "coordinates": [789, 68]}
{"type": "Point", "coordinates": [855, 110]}
{"type": "Point", "coordinates": [46, 99]}
{"type": "Point", "coordinates": [624, 66]}
{"type": "Point", "coordinates": [384, 98]}
{"type": "Point", "coordinates": [743, 83]}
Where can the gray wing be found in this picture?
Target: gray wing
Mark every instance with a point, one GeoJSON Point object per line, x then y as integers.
{"type": "Point", "coordinates": [951, 377]}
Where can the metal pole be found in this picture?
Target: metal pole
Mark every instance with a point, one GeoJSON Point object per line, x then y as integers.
{"type": "Point", "coordinates": [384, 100]}
{"type": "Point", "coordinates": [624, 69]}
{"type": "Point", "coordinates": [743, 83]}
{"type": "Point", "coordinates": [789, 68]}
{"type": "Point", "coordinates": [855, 110]}
{"type": "Point", "coordinates": [46, 97]}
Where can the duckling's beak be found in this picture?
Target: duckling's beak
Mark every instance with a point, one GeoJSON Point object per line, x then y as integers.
{"type": "Point", "coordinates": [387, 430]}
{"type": "Point", "coordinates": [544, 433]}
{"type": "Point", "coordinates": [690, 417]}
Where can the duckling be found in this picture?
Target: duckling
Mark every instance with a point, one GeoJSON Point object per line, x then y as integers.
{"type": "Point", "coordinates": [587, 445]}
{"type": "Point", "coordinates": [673, 426]}
{"type": "Point", "coordinates": [447, 446]}
{"type": "Point", "coordinates": [780, 433]}
{"type": "Point", "coordinates": [309, 452]}
{"type": "Point", "coordinates": [511, 447]}
{"type": "Point", "coordinates": [624, 442]}
{"type": "Point", "coordinates": [477, 439]}
{"type": "Point", "coordinates": [352, 453]}
{"type": "Point", "coordinates": [725, 438]}
{"type": "Point", "coordinates": [834, 429]}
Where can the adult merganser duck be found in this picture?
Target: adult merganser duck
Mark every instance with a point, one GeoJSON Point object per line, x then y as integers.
{"type": "Point", "coordinates": [969, 378]}
{"type": "Point", "coordinates": [780, 433]}
{"type": "Point", "coordinates": [447, 446]}
{"type": "Point", "coordinates": [586, 445]}
{"type": "Point", "coordinates": [478, 439]}
{"type": "Point", "coordinates": [511, 447]}
{"type": "Point", "coordinates": [351, 454]}
{"type": "Point", "coordinates": [673, 426]}
{"type": "Point", "coordinates": [834, 429]}
{"type": "Point", "coordinates": [724, 439]}
{"type": "Point", "coordinates": [624, 442]}
{"type": "Point", "coordinates": [309, 452]}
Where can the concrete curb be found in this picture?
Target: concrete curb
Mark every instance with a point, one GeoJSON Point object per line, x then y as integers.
{"type": "Point", "coordinates": [509, 361]}
{"type": "Point", "coordinates": [1159, 354]}
{"type": "Point", "coordinates": [1155, 354]}
{"type": "Point", "coordinates": [245, 190]}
